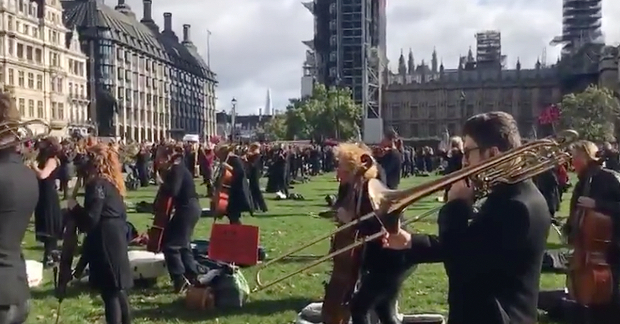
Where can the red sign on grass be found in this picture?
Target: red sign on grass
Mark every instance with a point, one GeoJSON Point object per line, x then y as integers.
{"type": "Point", "coordinates": [236, 244]}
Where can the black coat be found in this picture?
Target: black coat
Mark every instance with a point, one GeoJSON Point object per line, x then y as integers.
{"type": "Point", "coordinates": [254, 168]}
{"type": "Point", "coordinates": [105, 245]}
{"type": "Point", "coordinates": [391, 163]}
{"type": "Point", "coordinates": [19, 192]}
{"type": "Point", "coordinates": [179, 184]}
{"type": "Point", "coordinates": [605, 190]}
{"type": "Point", "coordinates": [493, 262]}
{"type": "Point", "coordinates": [278, 174]}
{"type": "Point", "coordinates": [240, 199]}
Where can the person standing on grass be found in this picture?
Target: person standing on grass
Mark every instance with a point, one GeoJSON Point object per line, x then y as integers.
{"type": "Point", "coordinates": [598, 190]}
{"type": "Point", "coordinates": [492, 257]}
{"type": "Point", "coordinates": [178, 183]}
{"type": "Point", "coordinates": [391, 159]}
{"type": "Point", "coordinates": [240, 197]}
{"type": "Point", "coordinates": [104, 218]}
{"type": "Point", "coordinates": [47, 214]}
{"type": "Point", "coordinates": [18, 197]}
{"type": "Point", "coordinates": [382, 271]}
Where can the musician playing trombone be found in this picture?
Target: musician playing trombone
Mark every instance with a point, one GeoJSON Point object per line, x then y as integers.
{"type": "Point", "coordinates": [492, 257]}
{"type": "Point", "coordinates": [20, 192]}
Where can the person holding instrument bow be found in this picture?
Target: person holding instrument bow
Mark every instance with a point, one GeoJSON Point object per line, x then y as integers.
{"type": "Point", "coordinates": [18, 198]}
{"type": "Point", "coordinates": [383, 271]}
{"type": "Point", "coordinates": [178, 183]}
{"type": "Point", "coordinates": [493, 256]}
{"type": "Point", "coordinates": [104, 219]}
{"type": "Point", "coordinates": [598, 190]}
{"type": "Point", "coordinates": [239, 196]}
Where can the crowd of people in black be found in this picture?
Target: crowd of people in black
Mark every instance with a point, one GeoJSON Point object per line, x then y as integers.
{"type": "Point", "coordinates": [492, 253]}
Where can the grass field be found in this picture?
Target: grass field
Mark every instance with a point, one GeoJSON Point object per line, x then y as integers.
{"type": "Point", "coordinates": [286, 225]}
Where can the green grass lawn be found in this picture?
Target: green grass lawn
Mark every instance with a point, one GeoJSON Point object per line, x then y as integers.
{"type": "Point", "coordinates": [286, 225]}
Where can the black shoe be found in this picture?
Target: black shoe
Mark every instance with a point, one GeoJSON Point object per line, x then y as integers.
{"type": "Point", "coordinates": [180, 285]}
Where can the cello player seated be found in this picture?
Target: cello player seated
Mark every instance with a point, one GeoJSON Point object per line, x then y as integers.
{"type": "Point", "coordinates": [597, 189]}
{"type": "Point", "coordinates": [492, 256]}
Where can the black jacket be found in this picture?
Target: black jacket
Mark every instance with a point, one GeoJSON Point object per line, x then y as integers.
{"type": "Point", "coordinates": [604, 188]}
{"type": "Point", "coordinates": [391, 164]}
{"type": "Point", "coordinates": [105, 246]}
{"type": "Point", "coordinates": [19, 192]}
{"type": "Point", "coordinates": [492, 257]}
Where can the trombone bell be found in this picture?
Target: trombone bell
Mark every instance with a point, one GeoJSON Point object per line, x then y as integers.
{"type": "Point", "coordinates": [15, 133]}
{"type": "Point", "coordinates": [384, 200]}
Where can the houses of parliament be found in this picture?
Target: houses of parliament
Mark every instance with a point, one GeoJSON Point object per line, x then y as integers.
{"type": "Point", "coordinates": [422, 100]}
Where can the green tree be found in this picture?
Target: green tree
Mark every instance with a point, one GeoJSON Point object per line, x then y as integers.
{"type": "Point", "coordinates": [327, 113]}
{"type": "Point", "coordinates": [275, 128]}
{"type": "Point", "coordinates": [593, 113]}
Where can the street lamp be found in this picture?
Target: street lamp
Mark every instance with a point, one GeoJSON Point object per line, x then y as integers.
{"type": "Point", "coordinates": [338, 108]}
{"type": "Point", "coordinates": [233, 118]}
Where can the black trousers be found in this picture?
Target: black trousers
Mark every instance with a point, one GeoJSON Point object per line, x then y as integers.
{"type": "Point", "coordinates": [377, 292]}
{"type": "Point", "coordinates": [116, 306]}
{"type": "Point", "coordinates": [176, 248]}
{"type": "Point", "coordinates": [50, 245]}
{"type": "Point", "coordinates": [14, 314]}
{"type": "Point", "coordinates": [234, 217]}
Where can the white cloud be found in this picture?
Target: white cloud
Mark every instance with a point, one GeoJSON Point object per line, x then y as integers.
{"type": "Point", "coordinates": [256, 44]}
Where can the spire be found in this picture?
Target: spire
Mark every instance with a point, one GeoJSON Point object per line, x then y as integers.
{"type": "Point", "coordinates": [410, 63]}
{"type": "Point", "coordinates": [470, 55]}
{"type": "Point", "coordinates": [434, 61]}
{"type": "Point", "coordinates": [518, 64]}
{"type": "Point", "coordinates": [402, 67]}
{"type": "Point", "coordinates": [268, 105]}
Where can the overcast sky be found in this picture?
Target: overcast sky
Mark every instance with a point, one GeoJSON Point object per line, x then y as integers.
{"type": "Point", "coordinates": [256, 44]}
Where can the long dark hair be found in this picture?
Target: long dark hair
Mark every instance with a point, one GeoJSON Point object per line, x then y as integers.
{"type": "Point", "coordinates": [48, 148]}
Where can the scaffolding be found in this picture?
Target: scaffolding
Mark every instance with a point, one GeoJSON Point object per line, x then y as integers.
{"type": "Point", "coordinates": [488, 46]}
{"type": "Point", "coordinates": [581, 25]}
{"type": "Point", "coordinates": [351, 53]}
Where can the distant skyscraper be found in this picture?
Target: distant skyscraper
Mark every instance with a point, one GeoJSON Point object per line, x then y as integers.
{"type": "Point", "coordinates": [268, 105]}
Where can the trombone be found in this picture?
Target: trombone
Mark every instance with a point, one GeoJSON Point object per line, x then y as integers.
{"type": "Point", "coordinates": [510, 167]}
{"type": "Point", "coordinates": [19, 132]}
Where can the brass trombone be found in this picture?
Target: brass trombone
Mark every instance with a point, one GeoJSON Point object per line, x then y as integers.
{"type": "Point", "coordinates": [15, 133]}
{"type": "Point", "coordinates": [516, 165]}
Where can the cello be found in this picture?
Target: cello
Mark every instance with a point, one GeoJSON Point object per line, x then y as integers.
{"type": "Point", "coordinates": [589, 277]}
{"type": "Point", "coordinates": [221, 195]}
{"type": "Point", "coordinates": [346, 266]}
{"type": "Point", "coordinates": [163, 203]}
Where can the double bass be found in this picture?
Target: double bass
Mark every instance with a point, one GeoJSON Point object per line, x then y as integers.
{"type": "Point", "coordinates": [346, 266]}
{"type": "Point", "coordinates": [163, 203]}
{"type": "Point", "coordinates": [590, 277]}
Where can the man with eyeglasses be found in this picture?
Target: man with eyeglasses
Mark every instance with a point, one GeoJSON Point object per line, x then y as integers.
{"type": "Point", "coordinates": [492, 256]}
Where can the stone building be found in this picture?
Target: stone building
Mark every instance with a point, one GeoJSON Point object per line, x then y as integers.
{"type": "Point", "coordinates": [147, 83]}
{"type": "Point", "coordinates": [42, 64]}
{"type": "Point", "coordinates": [422, 101]}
